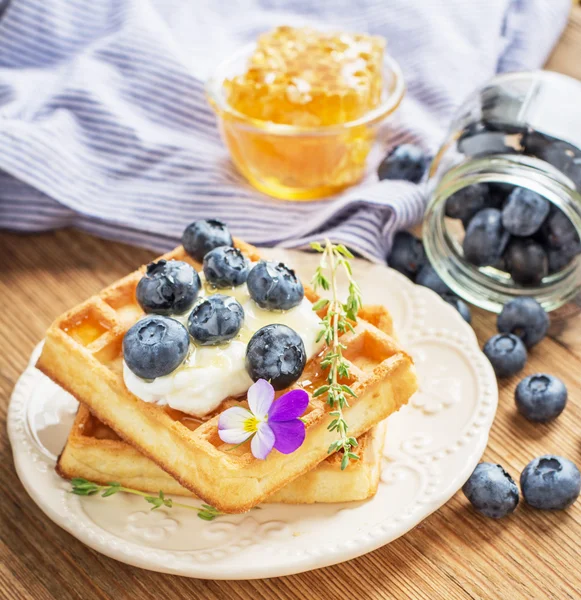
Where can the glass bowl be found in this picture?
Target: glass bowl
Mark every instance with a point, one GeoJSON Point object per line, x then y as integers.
{"type": "Point", "coordinates": [299, 162]}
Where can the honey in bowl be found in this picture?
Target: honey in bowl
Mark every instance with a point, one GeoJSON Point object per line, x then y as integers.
{"type": "Point", "coordinates": [299, 114]}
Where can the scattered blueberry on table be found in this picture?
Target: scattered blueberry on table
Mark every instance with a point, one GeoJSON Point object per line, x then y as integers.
{"type": "Point", "coordinates": [541, 397]}
{"type": "Point", "coordinates": [200, 237]}
{"type": "Point", "coordinates": [276, 353]}
{"type": "Point", "coordinates": [506, 353]}
{"type": "Point", "coordinates": [225, 267]}
{"type": "Point", "coordinates": [405, 162]}
{"type": "Point", "coordinates": [215, 320]}
{"type": "Point", "coordinates": [550, 483]}
{"type": "Point", "coordinates": [428, 277]}
{"type": "Point", "coordinates": [155, 346]}
{"type": "Point", "coordinates": [491, 491]}
{"type": "Point", "coordinates": [526, 318]}
{"type": "Point", "coordinates": [168, 287]}
{"type": "Point", "coordinates": [459, 305]}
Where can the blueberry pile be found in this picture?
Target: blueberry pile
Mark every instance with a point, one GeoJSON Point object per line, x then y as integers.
{"type": "Point", "coordinates": [547, 483]}
{"type": "Point", "coordinates": [515, 230]}
{"type": "Point", "coordinates": [409, 258]}
{"type": "Point", "coordinates": [158, 344]}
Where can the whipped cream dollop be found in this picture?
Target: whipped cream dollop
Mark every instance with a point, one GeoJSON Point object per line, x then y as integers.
{"type": "Point", "coordinates": [210, 374]}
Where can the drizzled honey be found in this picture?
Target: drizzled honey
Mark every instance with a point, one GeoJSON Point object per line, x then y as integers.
{"type": "Point", "coordinates": [315, 84]}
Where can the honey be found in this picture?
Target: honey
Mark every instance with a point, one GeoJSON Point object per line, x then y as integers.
{"type": "Point", "coordinates": [299, 113]}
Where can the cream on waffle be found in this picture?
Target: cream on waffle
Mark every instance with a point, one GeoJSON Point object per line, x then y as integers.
{"type": "Point", "coordinates": [83, 354]}
{"type": "Point", "coordinates": [95, 452]}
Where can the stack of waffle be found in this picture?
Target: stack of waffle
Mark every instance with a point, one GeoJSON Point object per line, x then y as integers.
{"type": "Point", "coordinates": [118, 437]}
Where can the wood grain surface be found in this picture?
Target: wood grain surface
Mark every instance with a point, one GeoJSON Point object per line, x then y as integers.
{"type": "Point", "coordinates": [454, 554]}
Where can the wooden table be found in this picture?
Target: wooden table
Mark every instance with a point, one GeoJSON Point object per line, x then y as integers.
{"type": "Point", "coordinates": [454, 554]}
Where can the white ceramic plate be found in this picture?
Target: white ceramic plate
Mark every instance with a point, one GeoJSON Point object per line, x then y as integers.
{"type": "Point", "coordinates": [432, 446]}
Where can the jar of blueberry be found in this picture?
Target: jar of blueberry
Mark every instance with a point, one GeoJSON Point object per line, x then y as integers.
{"type": "Point", "coordinates": [504, 217]}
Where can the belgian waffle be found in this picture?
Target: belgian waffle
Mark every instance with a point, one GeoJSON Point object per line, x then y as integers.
{"type": "Point", "coordinates": [83, 354]}
{"type": "Point", "coordinates": [95, 452]}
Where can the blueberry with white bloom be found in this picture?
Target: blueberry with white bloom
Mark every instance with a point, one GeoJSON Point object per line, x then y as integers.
{"type": "Point", "coordinates": [526, 261]}
{"type": "Point", "coordinates": [405, 162]}
{"type": "Point", "coordinates": [225, 267]}
{"type": "Point", "coordinates": [200, 237]}
{"type": "Point", "coordinates": [550, 483]}
{"type": "Point", "coordinates": [168, 287]}
{"type": "Point", "coordinates": [526, 318]}
{"type": "Point", "coordinates": [506, 353]}
{"type": "Point", "coordinates": [524, 212]}
{"type": "Point", "coordinates": [466, 202]}
{"type": "Point", "coordinates": [491, 491]}
{"type": "Point", "coordinates": [407, 254]}
{"type": "Point", "coordinates": [267, 422]}
{"type": "Point", "coordinates": [485, 238]}
{"type": "Point", "coordinates": [273, 286]}
{"type": "Point", "coordinates": [276, 353]}
{"type": "Point", "coordinates": [541, 397]}
{"type": "Point", "coordinates": [155, 346]}
{"type": "Point", "coordinates": [215, 320]}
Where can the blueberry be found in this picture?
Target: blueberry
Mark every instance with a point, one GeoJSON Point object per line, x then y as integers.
{"type": "Point", "coordinates": [466, 202]}
{"type": "Point", "coordinates": [559, 258]}
{"type": "Point", "coordinates": [526, 318]}
{"type": "Point", "coordinates": [524, 212]}
{"type": "Point", "coordinates": [407, 254]}
{"type": "Point", "coordinates": [491, 491]}
{"type": "Point", "coordinates": [276, 353]}
{"type": "Point", "coordinates": [155, 346]}
{"type": "Point", "coordinates": [215, 320]}
{"type": "Point", "coordinates": [485, 238]}
{"type": "Point", "coordinates": [225, 267]}
{"type": "Point", "coordinates": [273, 286]}
{"type": "Point", "coordinates": [168, 287]}
{"type": "Point", "coordinates": [558, 231]}
{"type": "Point", "coordinates": [202, 236]}
{"type": "Point", "coordinates": [430, 279]}
{"type": "Point", "coordinates": [459, 305]}
{"type": "Point", "coordinates": [406, 162]}
{"type": "Point", "coordinates": [540, 397]}
{"type": "Point", "coordinates": [506, 353]}
{"type": "Point", "coordinates": [550, 482]}
{"type": "Point", "coordinates": [526, 261]}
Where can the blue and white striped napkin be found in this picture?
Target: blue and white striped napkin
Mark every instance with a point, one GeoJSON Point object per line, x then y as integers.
{"type": "Point", "coordinates": [104, 124]}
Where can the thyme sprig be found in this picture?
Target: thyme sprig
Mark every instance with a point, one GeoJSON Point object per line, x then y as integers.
{"type": "Point", "coordinates": [83, 487]}
{"type": "Point", "coordinates": [338, 319]}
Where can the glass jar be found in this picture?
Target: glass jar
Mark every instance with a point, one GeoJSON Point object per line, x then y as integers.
{"type": "Point", "coordinates": [520, 130]}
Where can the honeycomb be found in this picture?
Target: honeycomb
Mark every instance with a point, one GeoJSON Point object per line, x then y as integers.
{"type": "Point", "coordinates": [304, 77]}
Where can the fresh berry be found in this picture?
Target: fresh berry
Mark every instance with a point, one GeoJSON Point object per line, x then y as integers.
{"type": "Point", "coordinates": [407, 254]}
{"type": "Point", "coordinates": [276, 353]}
{"type": "Point", "coordinates": [202, 236]}
{"type": "Point", "coordinates": [430, 279]}
{"type": "Point", "coordinates": [541, 397]}
{"type": "Point", "coordinates": [225, 267]}
{"type": "Point", "coordinates": [459, 305]}
{"type": "Point", "coordinates": [526, 261]}
{"type": "Point", "coordinates": [506, 353]}
{"type": "Point", "coordinates": [485, 238]}
{"type": "Point", "coordinates": [215, 320]}
{"type": "Point", "coordinates": [561, 257]}
{"type": "Point", "coordinates": [524, 212]}
{"type": "Point", "coordinates": [499, 192]}
{"type": "Point", "coordinates": [558, 230]}
{"type": "Point", "coordinates": [550, 483]}
{"type": "Point", "coordinates": [406, 162]}
{"type": "Point", "coordinates": [168, 287]}
{"type": "Point", "coordinates": [155, 346]}
{"type": "Point", "coordinates": [491, 491]}
{"type": "Point", "coordinates": [465, 203]}
{"type": "Point", "coordinates": [273, 286]}
{"type": "Point", "coordinates": [526, 318]}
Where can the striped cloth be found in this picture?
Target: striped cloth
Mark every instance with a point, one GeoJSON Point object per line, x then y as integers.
{"type": "Point", "coordinates": [104, 125]}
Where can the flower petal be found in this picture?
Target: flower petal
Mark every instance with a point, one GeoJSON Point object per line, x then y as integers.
{"type": "Point", "coordinates": [289, 406]}
{"type": "Point", "coordinates": [262, 442]}
{"type": "Point", "coordinates": [288, 435]}
{"type": "Point", "coordinates": [233, 436]}
{"type": "Point", "coordinates": [260, 397]}
{"type": "Point", "coordinates": [233, 418]}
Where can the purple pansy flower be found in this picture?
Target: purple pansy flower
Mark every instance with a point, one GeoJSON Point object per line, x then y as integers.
{"type": "Point", "coordinates": [270, 424]}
